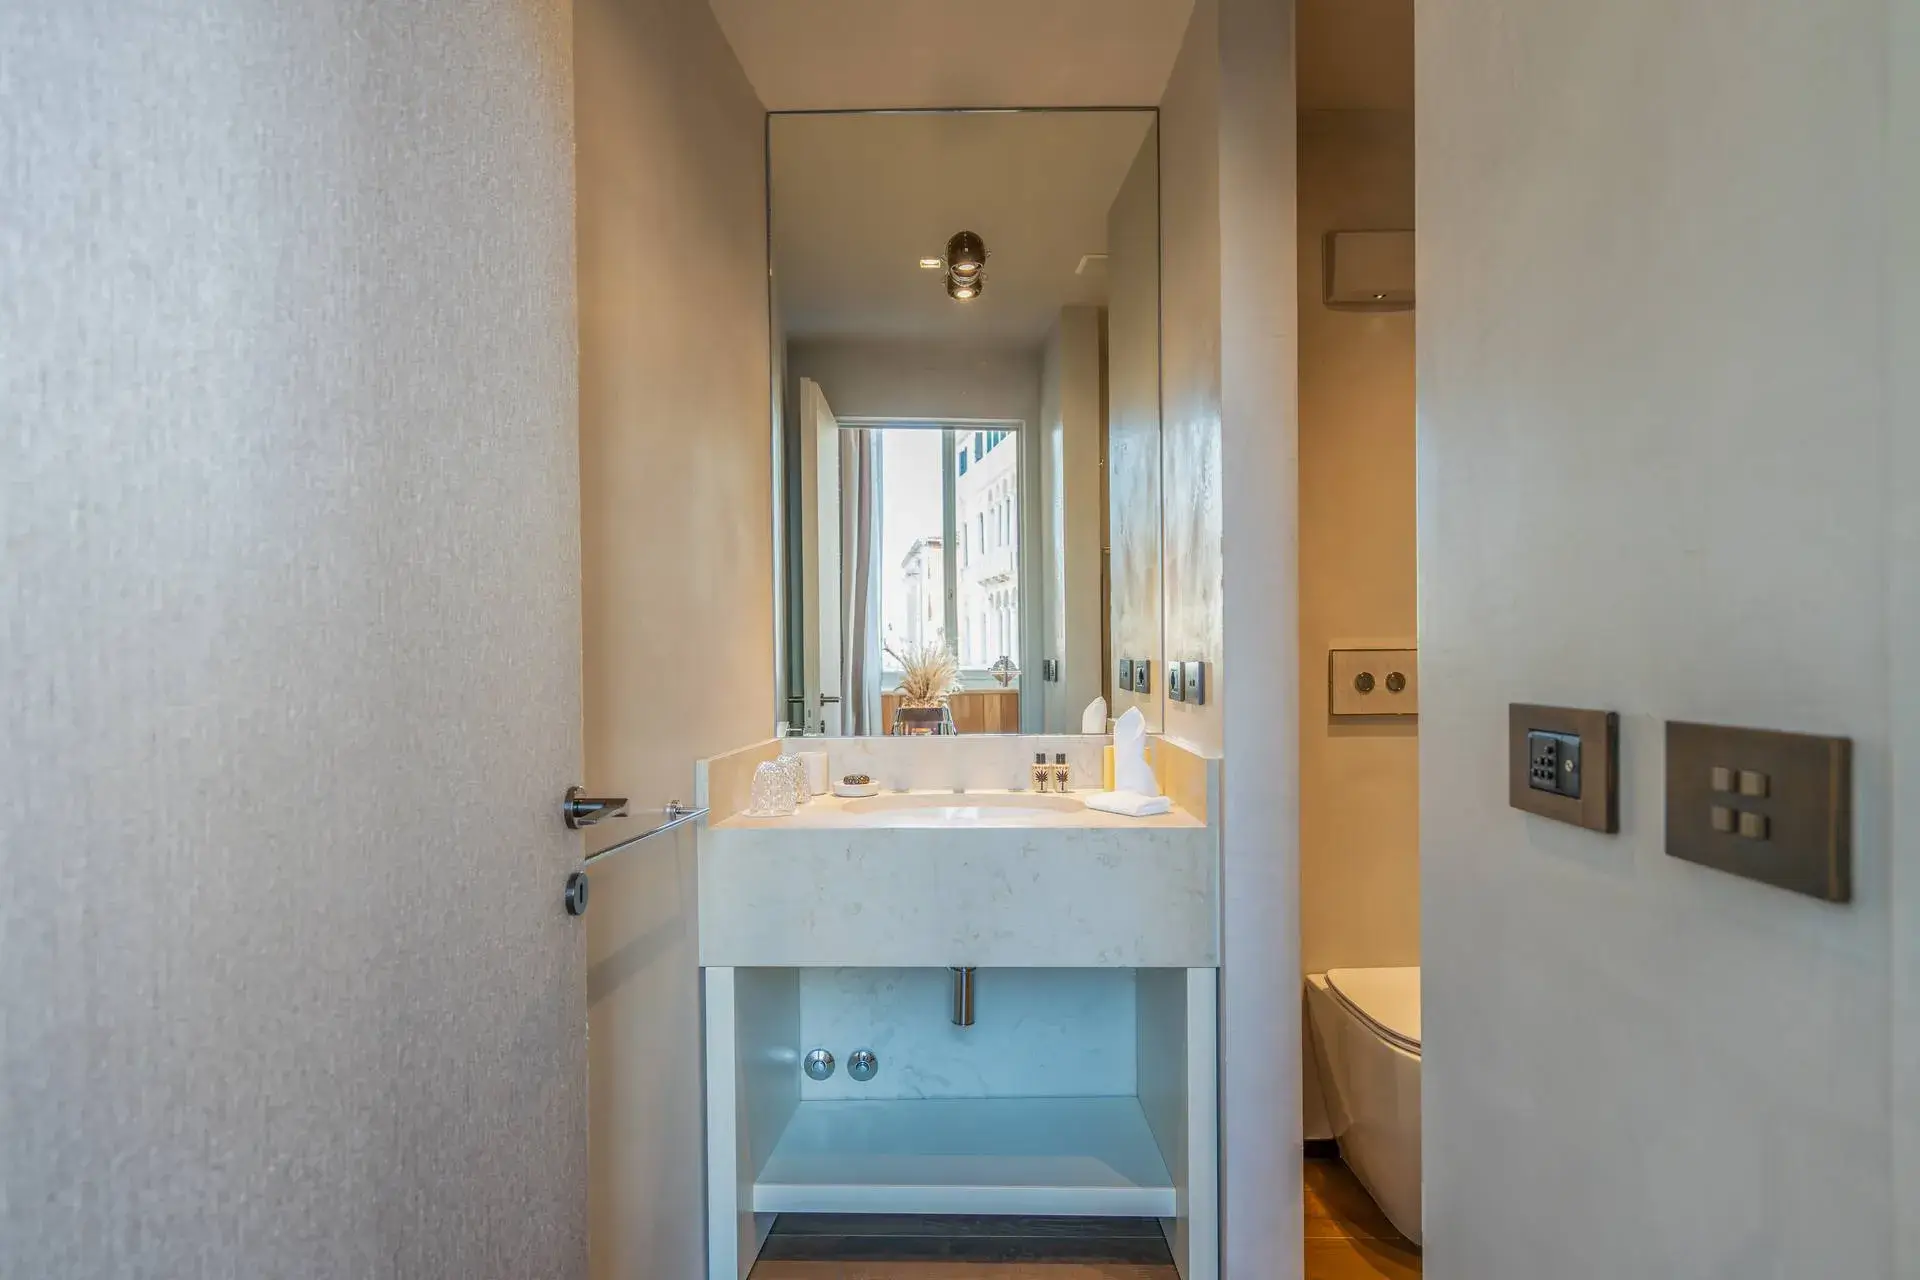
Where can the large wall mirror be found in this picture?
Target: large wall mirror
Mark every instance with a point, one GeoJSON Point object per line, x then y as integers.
{"type": "Point", "coordinates": [966, 323]}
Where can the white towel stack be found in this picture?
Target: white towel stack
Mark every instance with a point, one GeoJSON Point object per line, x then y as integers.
{"type": "Point", "coordinates": [1136, 792]}
{"type": "Point", "coordinates": [1129, 804]}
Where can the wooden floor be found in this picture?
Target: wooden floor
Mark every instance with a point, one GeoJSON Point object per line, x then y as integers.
{"type": "Point", "coordinates": [1348, 1238]}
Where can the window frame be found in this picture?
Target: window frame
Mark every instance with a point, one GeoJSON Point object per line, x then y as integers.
{"type": "Point", "coordinates": [961, 436]}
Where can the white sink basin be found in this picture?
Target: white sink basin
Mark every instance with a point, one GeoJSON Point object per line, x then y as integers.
{"type": "Point", "coordinates": [998, 809]}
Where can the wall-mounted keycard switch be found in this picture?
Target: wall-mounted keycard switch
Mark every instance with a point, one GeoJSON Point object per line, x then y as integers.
{"type": "Point", "coordinates": [1196, 683]}
{"type": "Point", "coordinates": [1773, 807]}
{"type": "Point", "coordinates": [1142, 675]}
{"type": "Point", "coordinates": [1553, 762]}
{"type": "Point", "coordinates": [1177, 681]}
{"type": "Point", "coordinates": [1564, 763]}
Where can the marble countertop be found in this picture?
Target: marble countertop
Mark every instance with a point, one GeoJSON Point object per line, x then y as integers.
{"type": "Point", "coordinates": [952, 810]}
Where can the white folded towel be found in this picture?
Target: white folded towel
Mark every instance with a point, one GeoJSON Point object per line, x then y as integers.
{"type": "Point", "coordinates": [1128, 804]}
{"type": "Point", "coordinates": [1094, 718]}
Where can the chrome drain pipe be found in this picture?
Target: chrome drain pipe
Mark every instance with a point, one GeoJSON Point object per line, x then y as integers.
{"type": "Point", "coordinates": [962, 996]}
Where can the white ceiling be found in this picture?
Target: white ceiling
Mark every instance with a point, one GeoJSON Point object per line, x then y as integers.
{"type": "Point", "coordinates": [1355, 54]}
{"type": "Point", "coordinates": [858, 200]}
{"type": "Point", "coordinates": [822, 54]}
{"type": "Point", "coordinates": [817, 54]}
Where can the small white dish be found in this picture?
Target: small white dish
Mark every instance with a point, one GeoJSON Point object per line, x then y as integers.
{"type": "Point", "coordinates": [856, 790]}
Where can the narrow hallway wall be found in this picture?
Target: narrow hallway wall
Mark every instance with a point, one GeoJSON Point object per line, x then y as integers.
{"type": "Point", "coordinates": [1903, 620]}
{"type": "Point", "coordinates": [676, 492]}
{"type": "Point", "coordinates": [1259, 729]}
{"type": "Point", "coordinates": [1673, 357]}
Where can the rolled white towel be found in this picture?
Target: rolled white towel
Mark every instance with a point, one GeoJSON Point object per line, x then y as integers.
{"type": "Point", "coordinates": [1128, 804]}
{"type": "Point", "coordinates": [1131, 772]}
{"type": "Point", "coordinates": [1094, 718]}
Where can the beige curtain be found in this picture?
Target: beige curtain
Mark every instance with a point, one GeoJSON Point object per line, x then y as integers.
{"type": "Point", "coordinates": [860, 465]}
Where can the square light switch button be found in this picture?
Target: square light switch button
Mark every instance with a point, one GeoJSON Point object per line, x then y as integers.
{"type": "Point", "coordinates": [1765, 805]}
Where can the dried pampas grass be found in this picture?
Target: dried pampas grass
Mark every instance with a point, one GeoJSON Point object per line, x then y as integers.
{"type": "Point", "coordinates": [929, 674]}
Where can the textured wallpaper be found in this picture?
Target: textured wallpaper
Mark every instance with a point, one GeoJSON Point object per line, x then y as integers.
{"type": "Point", "coordinates": [291, 649]}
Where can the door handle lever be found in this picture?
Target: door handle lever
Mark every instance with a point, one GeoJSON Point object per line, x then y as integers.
{"type": "Point", "coordinates": [579, 810]}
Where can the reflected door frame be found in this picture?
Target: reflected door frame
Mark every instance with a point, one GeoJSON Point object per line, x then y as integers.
{"type": "Point", "coordinates": [818, 644]}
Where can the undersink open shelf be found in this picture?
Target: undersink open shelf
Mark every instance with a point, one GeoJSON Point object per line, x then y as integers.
{"type": "Point", "coordinates": [1054, 1156]}
{"type": "Point", "coordinates": [1132, 1130]}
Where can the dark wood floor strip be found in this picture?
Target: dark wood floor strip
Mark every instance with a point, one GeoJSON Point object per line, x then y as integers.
{"type": "Point", "coordinates": [1347, 1238]}
{"type": "Point", "coordinates": [928, 1238]}
{"type": "Point", "coordinates": [913, 1224]}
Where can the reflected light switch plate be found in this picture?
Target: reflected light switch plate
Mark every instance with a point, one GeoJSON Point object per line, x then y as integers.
{"type": "Point", "coordinates": [1196, 682]}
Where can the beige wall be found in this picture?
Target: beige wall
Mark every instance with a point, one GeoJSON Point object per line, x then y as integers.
{"type": "Point", "coordinates": [1072, 522]}
{"type": "Point", "coordinates": [908, 379]}
{"type": "Point", "coordinates": [1190, 347]}
{"type": "Point", "coordinates": [1359, 782]}
{"type": "Point", "coordinates": [1133, 427]}
{"type": "Point", "coordinates": [675, 473]}
{"type": "Point", "coordinates": [1654, 306]}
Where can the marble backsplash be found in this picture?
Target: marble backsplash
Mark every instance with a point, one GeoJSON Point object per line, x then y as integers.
{"type": "Point", "coordinates": [1037, 1033]}
{"type": "Point", "coordinates": [1190, 779]}
{"type": "Point", "coordinates": [979, 762]}
{"type": "Point", "coordinates": [724, 784]}
{"type": "Point", "coordinates": [976, 763]}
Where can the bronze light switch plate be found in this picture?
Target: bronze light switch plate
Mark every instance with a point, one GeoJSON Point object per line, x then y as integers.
{"type": "Point", "coordinates": [1564, 763]}
{"type": "Point", "coordinates": [1773, 807]}
{"type": "Point", "coordinates": [1373, 682]}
